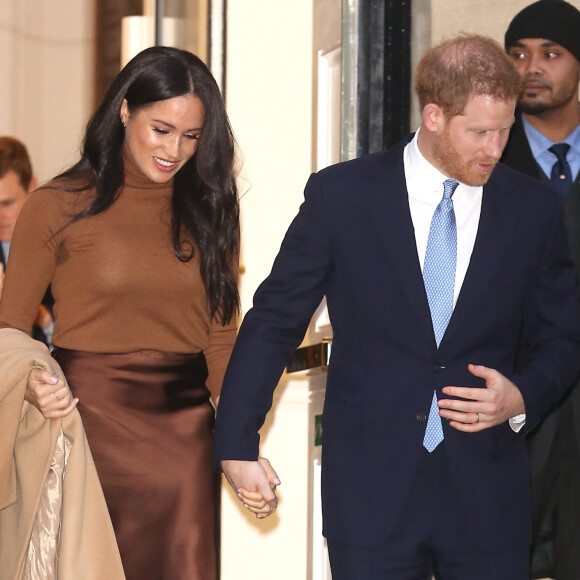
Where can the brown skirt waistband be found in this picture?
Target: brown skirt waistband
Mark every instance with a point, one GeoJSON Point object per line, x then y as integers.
{"type": "Point", "coordinates": [162, 381]}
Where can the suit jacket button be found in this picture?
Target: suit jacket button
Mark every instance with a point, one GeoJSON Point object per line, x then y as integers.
{"type": "Point", "coordinates": [421, 417]}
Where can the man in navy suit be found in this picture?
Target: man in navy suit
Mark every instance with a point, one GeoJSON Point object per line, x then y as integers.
{"type": "Point", "coordinates": [433, 260]}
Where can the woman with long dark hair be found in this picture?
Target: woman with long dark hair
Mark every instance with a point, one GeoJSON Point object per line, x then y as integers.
{"type": "Point", "coordinates": [139, 241]}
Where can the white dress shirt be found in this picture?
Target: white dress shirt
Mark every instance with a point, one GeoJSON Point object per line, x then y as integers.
{"type": "Point", "coordinates": [425, 189]}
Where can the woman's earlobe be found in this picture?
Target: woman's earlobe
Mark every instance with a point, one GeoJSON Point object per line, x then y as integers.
{"type": "Point", "coordinates": [124, 112]}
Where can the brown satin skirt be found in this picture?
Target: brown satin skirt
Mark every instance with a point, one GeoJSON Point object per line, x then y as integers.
{"type": "Point", "coordinates": [149, 425]}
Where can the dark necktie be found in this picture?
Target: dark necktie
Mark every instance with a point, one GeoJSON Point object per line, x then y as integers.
{"type": "Point", "coordinates": [561, 176]}
{"type": "Point", "coordinates": [439, 279]}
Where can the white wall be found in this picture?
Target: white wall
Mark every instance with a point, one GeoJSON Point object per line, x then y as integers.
{"type": "Point", "coordinates": [46, 76]}
{"type": "Point", "coordinates": [269, 100]}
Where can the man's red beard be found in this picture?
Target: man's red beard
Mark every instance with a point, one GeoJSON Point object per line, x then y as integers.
{"type": "Point", "coordinates": [455, 166]}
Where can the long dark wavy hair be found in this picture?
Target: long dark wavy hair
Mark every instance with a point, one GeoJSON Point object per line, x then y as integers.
{"type": "Point", "coordinates": [205, 202]}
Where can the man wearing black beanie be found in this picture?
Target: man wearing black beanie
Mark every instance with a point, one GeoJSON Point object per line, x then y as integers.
{"type": "Point", "coordinates": [544, 41]}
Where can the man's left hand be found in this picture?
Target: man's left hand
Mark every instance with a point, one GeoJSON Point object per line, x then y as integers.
{"type": "Point", "coordinates": [484, 408]}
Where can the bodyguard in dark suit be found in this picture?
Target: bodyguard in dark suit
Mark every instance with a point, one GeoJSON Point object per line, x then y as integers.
{"type": "Point", "coordinates": [432, 261]}
{"type": "Point", "coordinates": [544, 42]}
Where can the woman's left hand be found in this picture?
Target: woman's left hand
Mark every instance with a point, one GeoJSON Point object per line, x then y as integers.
{"type": "Point", "coordinates": [49, 394]}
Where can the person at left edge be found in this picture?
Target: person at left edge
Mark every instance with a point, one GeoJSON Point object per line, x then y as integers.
{"type": "Point", "coordinates": [397, 502]}
{"type": "Point", "coordinates": [139, 241]}
{"type": "Point", "coordinates": [16, 181]}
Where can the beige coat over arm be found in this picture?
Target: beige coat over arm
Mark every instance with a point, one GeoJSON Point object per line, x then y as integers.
{"type": "Point", "coordinates": [54, 521]}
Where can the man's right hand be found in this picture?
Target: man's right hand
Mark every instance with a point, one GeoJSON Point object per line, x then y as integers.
{"type": "Point", "coordinates": [255, 484]}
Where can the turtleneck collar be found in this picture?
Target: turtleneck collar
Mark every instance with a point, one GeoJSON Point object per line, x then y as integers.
{"type": "Point", "coordinates": [136, 179]}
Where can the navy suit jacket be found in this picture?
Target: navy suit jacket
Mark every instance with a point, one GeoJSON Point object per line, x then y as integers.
{"type": "Point", "coordinates": [353, 241]}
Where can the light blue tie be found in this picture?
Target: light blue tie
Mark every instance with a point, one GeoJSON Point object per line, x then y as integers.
{"type": "Point", "coordinates": [439, 279]}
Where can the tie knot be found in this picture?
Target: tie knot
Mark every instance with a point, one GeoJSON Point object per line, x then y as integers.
{"type": "Point", "coordinates": [449, 187]}
{"type": "Point", "coordinates": [560, 150]}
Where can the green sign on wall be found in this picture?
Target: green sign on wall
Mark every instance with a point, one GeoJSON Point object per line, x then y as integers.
{"type": "Point", "coordinates": [317, 430]}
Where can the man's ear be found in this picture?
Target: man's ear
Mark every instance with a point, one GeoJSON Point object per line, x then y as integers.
{"type": "Point", "coordinates": [33, 184]}
{"type": "Point", "coordinates": [433, 118]}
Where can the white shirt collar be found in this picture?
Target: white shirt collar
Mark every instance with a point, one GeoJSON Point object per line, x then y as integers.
{"type": "Point", "coordinates": [425, 181]}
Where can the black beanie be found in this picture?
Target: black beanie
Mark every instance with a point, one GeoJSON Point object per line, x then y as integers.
{"type": "Point", "coordinates": [554, 20]}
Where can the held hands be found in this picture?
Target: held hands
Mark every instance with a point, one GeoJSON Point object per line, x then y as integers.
{"type": "Point", "coordinates": [484, 408]}
{"type": "Point", "coordinates": [255, 484]}
{"type": "Point", "coordinates": [49, 394]}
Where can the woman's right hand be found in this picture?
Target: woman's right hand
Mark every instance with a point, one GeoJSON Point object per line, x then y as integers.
{"type": "Point", "coordinates": [49, 394]}
{"type": "Point", "coordinates": [258, 476]}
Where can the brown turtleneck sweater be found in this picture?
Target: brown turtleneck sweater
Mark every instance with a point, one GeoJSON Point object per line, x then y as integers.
{"type": "Point", "coordinates": [117, 284]}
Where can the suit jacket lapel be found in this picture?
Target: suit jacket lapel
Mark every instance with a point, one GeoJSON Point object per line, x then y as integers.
{"type": "Point", "coordinates": [493, 236]}
{"type": "Point", "coordinates": [389, 210]}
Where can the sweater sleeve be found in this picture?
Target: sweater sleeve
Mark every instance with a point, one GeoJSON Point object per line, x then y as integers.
{"type": "Point", "coordinates": [217, 354]}
{"type": "Point", "coordinates": [219, 349]}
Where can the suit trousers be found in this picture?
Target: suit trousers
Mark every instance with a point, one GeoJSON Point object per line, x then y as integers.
{"type": "Point", "coordinates": [431, 538]}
